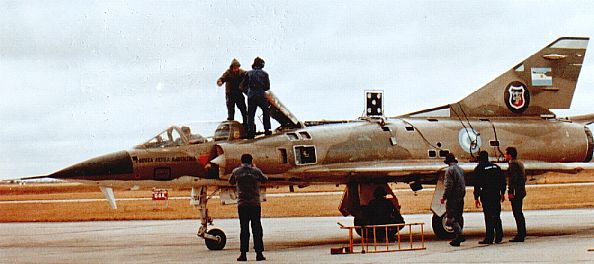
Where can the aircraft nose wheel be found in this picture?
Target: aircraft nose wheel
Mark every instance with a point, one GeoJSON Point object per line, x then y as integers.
{"type": "Point", "coordinates": [219, 243]}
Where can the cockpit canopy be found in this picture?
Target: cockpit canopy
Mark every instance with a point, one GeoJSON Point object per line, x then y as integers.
{"type": "Point", "coordinates": [194, 133]}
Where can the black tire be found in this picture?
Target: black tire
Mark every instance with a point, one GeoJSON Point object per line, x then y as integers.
{"type": "Point", "coordinates": [358, 221]}
{"type": "Point", "coordinates": [392, 231]}
{"type": "Point", "coordinates": [440, 229]}
{"type": "Point", "coordinates": [218, 244]}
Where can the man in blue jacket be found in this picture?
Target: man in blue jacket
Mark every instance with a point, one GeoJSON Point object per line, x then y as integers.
{"type": "Point", "coordinates": [248, 178]}
{"type": "Point", "coordinates": [257, 83]}
{"type": "Point", "coordinates": [489, 188]}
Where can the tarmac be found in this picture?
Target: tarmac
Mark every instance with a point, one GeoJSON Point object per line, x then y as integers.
{"type": "Point", "coordinates": [553, 236]}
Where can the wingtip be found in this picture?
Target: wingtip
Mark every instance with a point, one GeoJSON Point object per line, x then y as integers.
{"type": "Point", "coordinates": [583, 119]}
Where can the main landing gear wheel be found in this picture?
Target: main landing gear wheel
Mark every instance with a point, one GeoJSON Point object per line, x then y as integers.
{"type": "Point", "coordinates": [441, 230]}
{"type": "Point", "coordinates": [358, 221]}
{"type": "Point", "coordinates": [219, 243]}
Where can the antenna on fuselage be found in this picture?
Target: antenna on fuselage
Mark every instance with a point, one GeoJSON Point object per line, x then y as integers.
{"type": "Point", "coordinates": [374, 104]}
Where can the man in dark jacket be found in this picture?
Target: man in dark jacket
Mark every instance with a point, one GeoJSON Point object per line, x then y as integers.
{"type": "Point", "coordinates": [455, 190]}
{"type": "Point", "coordinates": [232, 79]}
{"type": "Point", "coordinates": [257, 83]}
{"type": "Point", "coordinates": [489, 187]}
{"type": "Point", "coordinates": [248, 179]}
{"type": "Point", "coordinates": [382, 211]}
{"type": "Point", "coordinates": [516, 191]}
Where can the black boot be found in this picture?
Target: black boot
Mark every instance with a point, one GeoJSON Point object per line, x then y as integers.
{"type": "Point", "coordinates": [517, 239]}
{"type": "Point", "coordinates": [456, 242]}
{"type": "Point", "coordinates": [486, 241]}
{"type": "Point", "coordinates": [242, 257]}
{"type": "Point", "coordinates": [498, 240]}
{"type": "Point", "coordinates": [260, 256]}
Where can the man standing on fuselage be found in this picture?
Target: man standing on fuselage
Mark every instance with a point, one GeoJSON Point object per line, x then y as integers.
{"type": "Point", "coordinates": [232, 79]}
{"type": "Point", "coordinates": [257, 83]}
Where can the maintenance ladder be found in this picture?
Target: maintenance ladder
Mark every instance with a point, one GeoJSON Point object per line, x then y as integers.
{"type": "Point", "coordinates": [373, 244]}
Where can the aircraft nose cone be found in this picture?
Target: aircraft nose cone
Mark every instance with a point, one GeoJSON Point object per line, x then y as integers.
{"type": "Point", "coordinates": [114, 166]}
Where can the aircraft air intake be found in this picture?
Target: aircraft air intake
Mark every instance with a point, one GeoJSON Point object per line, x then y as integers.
{"type": "Point", "coordinates": [265, 158]}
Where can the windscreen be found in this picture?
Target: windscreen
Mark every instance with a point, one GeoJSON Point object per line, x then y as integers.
{"type": "Point", "coordinates": [184, 134]}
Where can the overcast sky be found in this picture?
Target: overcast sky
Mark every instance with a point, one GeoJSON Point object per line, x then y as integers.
{"type": "Point", "coordinates": [84, 78]}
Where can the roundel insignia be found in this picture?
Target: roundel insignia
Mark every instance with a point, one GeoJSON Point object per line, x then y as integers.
{"type": "Point", "coordinates": [517, 97]}
{"type": "Point", "coordinates": [469, 139]}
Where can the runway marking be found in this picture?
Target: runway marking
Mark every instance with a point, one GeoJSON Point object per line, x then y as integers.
{"type": "Point", "coordinates": [267, 195]}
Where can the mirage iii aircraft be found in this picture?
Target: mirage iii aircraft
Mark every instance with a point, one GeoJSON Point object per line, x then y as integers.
{"type": "Point", "coordinates": [374, 150]}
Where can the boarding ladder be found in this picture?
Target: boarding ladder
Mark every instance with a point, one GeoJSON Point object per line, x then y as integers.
{"type": "Point", "coordinates": [370, 242]}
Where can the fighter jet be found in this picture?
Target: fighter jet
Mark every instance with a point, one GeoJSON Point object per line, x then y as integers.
{"type": "Point", "coordinates": [371, 151]}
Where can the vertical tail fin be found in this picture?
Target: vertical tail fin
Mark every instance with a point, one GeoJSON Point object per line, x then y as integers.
{"type": "Point", "coordinates": [543, 81]}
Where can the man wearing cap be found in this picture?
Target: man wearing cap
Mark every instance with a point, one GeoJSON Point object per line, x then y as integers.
{"type": "Point", "coordinates": [257, 83]}
{"type": "Point", "coordinates": [455, 190]}
{"type": "Point", "coordinates": [248, 178]}
{"type": "Point", "coordinates": [489, 188]}
{"type": "Point", "coordinates": [232, 79]}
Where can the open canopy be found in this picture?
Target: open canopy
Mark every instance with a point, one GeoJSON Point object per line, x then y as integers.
{"type": "Point", "coordinates": [195, 133]}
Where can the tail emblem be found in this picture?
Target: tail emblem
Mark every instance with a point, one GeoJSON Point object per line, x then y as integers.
{"type": "Point", "coordinates": [517, 97]}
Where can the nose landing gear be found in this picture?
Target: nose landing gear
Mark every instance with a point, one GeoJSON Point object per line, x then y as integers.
{"type": "Point", "coordinates": [219, 242]}
{"type": "Point", "coordinates": [215, 239]}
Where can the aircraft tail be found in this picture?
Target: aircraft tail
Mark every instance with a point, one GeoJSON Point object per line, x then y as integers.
{"type": "Point", "coordinates": [543, 81]}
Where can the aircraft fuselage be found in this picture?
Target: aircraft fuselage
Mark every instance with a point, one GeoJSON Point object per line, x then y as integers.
{"type": "Point", "coordinates": [284, 154]}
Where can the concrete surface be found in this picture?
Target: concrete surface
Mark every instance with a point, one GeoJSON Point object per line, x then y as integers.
{"type": "Point", "coordinates": [553, 236]}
